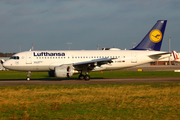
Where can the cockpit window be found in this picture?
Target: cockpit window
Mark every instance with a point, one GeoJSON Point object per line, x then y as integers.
{"type": "Point", "coordinates": [15, 57]}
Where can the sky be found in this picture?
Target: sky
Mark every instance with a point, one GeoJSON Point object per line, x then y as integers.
{"type": "Point", "coordinates": [51, 24]}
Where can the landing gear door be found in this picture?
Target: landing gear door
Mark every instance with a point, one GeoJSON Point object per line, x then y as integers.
{"type": "Point", "coordinates": [29, 58]}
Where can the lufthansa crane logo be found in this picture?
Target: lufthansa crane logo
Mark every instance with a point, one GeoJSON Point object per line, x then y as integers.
{"type": "Point", "coordinates": [155, 36]}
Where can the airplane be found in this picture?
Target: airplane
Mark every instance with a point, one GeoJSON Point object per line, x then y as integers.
{"type": "Point", "coordinates": [175, 55]}
{"type": "Point", "coordinates": [64, 63]}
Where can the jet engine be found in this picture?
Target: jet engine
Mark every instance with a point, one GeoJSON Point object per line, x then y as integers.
{"type": "Point", "coordinates": [63, 71]}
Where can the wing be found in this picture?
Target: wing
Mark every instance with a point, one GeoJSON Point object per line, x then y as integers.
{"type": "Point", "coordinates": [90, 65]}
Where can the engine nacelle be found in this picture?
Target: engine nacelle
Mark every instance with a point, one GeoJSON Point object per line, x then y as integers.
{"type": "Point", "coordinates": [63, 71]}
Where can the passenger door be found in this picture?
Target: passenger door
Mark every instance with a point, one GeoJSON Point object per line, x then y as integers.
{"type": "Point", "coordinates": [29, 58]}
{"type": "Point", "coordinates": [133, 57]}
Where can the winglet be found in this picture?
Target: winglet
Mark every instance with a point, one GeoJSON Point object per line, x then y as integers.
{"type": "Point", "coordinates": [153, 39]}
{"type": "Point", "coordinates": [176, 56]}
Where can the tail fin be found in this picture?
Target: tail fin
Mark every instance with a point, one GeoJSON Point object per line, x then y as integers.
{"type": "Point", "coordinates": [153, 39]}
{"type": "Point", "coordinates": [176, 56]}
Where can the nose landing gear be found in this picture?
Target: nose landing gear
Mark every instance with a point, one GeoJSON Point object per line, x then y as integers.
{"type": "Point", "coordinates": [28, 76]}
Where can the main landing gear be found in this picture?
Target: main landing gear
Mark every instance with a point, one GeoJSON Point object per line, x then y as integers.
{"type": "Point", "coordinates": [84, 77]}
{"type": "Point", "coordinates": [81, 76]}
{"type": "Point", "coordinates": [28, 76]}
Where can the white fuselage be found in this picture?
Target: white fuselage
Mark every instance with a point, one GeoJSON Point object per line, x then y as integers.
{"type": "Point", "coordinates": [47, 60]}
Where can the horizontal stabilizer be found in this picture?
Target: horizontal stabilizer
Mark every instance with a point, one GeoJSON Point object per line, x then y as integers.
{"type": "Point", "coordinates": [159, 55]}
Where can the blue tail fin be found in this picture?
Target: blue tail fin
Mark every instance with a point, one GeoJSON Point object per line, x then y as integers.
{"type": "Point", "coordinates": [153, 39]}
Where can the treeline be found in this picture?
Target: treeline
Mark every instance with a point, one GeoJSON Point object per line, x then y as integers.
{"type": "Point", "coordinates": [6, 54]}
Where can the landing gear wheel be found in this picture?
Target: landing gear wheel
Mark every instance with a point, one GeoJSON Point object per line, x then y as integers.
{"type": "Point", "coordinates": [28, 79]}
{"type": "Point", "coordinates": [28, 76]}
{"type": "Point", "coordinates": [87, 77]}
{"type": "Point", "coordinates": [81, 77]}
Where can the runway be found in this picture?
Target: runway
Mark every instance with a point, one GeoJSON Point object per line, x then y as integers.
{"type": "Point", "coordinates": [103, 80]}
{"type": "Point", "coordinates": [92, 81]}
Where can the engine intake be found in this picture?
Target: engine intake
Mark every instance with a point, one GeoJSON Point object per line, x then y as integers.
{"type": "Point", "coordinates": [63, 71]}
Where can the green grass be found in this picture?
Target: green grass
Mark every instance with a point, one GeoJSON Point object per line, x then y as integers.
{"type": "Point", "coordinates": [108, 102]}
{"type": "Point", "coordinates": [5, 75]}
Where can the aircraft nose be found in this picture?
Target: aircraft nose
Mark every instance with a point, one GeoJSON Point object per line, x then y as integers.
{"type": "Point", "coordinates": [3, 64]}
